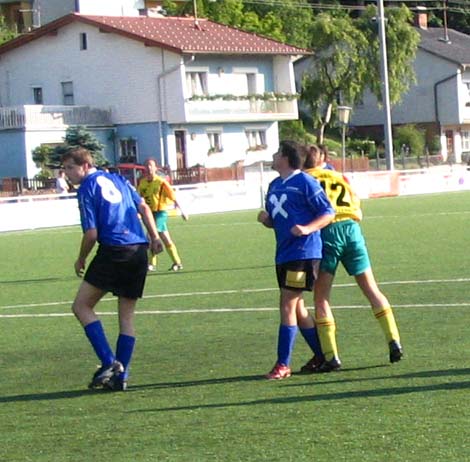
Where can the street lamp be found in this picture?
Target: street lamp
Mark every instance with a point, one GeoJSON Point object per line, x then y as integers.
{"type": "Point", "coordinates": [343, 119]}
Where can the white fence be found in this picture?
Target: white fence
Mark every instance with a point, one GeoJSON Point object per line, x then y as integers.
{"type": "Point", "coordinates": [31, 212]}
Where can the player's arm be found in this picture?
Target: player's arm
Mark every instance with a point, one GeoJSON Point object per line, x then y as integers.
{"type": "Point", "coordinates": [315, 225]}
{"type": "Point", "coordinates": [171, 194]}
{"type": "Point", "coordinates": [156, 245]}
{"type": "Point", "coordinates": [265, 219]}
{"type": "Point", "coordinates": [184, 215]}
{"type": "Point", "coordinates": [90, 236]}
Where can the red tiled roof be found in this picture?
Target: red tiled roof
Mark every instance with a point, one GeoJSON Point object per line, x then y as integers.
{"type": "Point", "coordinates": [181, 35]}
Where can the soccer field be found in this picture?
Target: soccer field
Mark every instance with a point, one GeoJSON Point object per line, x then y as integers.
{"type": "Point", "coordinates": [206, 336]}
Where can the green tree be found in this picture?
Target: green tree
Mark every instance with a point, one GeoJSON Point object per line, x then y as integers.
{"type": "Point", "coordinates": [338, 69]}
{"type": "Point", "coordinates": [402, 43]}
{"type": "Point", "coordinates": [5, 32]}
{"type": "Point", "coordinates": [347, 61]}
{"type": "Point", "coordinates": [41, 157]}
{"type": "Point", "coordinates": [74, 137]}
{"type": "Point", "coordinates": [288, 21]}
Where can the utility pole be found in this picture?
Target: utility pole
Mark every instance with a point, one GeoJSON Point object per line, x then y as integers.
{"type": "Point", "coordinates": [385, 88]}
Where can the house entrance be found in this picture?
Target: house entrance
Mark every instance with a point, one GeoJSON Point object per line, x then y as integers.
{"type": "Point", "coordinates": [450, 143]}
{"type": "Point", "coordinates": [180, 142]}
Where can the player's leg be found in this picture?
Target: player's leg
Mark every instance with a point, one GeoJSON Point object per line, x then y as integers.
{"type": "Point", "coordinates": [287, 334]}
{"type": "Point", "coordinates": [83, 308]}
{"type": "Point", "coordinates": [309, 332]}
{"type": "Point", "coordinates": [125, 342]}
{"type": "Point", "coordinates": [162, 227]}
{"type": "Point", "coordinates": [129, 286]}
{"type": "Point", "coordinates": [325, 322]}
{"type": "Point", "coordinates": [153, 259]}
{"type": "Point", "coordinates": [382, 311]}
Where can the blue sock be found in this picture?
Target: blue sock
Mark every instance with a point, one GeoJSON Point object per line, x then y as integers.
{"type": "Point", "coordinates": [95, 333]}
{"type": "Point", "coordinates": [285, 343]}
{"type": "Point", "coordinates": [124, 349]}
{"type": "Point", "coordinates": [313, 341]}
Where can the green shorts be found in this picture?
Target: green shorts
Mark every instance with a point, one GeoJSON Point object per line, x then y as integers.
{"type": "Point", "coordinates": [161, 220]}
{"type": "Point", "coordinates": [343, 242]}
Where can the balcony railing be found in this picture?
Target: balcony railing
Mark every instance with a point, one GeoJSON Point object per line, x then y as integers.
{"type": "Point", "coordinates": [225, 109]}
{"type": "Point", "coordinates": [52, 116]}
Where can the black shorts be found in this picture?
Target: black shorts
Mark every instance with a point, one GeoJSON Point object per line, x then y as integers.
{"type": "Point", "coordinates": [297, 274]}
{"type": "Point", "coordinates": [120, 270]}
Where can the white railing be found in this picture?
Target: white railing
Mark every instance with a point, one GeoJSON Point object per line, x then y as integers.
{"type": "Point", "coordinates": [225, 108]}
{"type": "Point", "coordinates": [52, 116]}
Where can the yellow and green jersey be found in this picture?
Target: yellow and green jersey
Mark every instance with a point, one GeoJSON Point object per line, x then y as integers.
{"type": "Point", "coordinates": [157, 193]}
{"type": "Point", "coordinates": [342, 197]}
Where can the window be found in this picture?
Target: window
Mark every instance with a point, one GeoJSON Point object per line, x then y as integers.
{"type": "Point", "coordinates": [196, 83]}
{"type": "Point", "coordinates": [215, 142]}
{"type": "Point", "coordinates": [256, 139]}
{"type": "Point", "coordinates": [465, 140]}
{"type": "Point", "coordinates": [128, 148]}
{"type": "Point", "coordinates": [251, 84]}
{"type": "Point", "coordinates": [37, 95]}
{"type": "Point", "coordinates": [67, 93]}
{"type": "Point", "coordinates": [83, 41]}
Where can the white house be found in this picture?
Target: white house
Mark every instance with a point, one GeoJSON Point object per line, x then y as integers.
{"type": "Point", "coordinates": [440, 100]}
{"type": "Point", "coordinates": [25, 15]}
{"type": "Point", "coordinates": [182, 90]}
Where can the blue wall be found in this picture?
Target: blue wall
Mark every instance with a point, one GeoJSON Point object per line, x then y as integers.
{"type": "Point", "coordinates": [12, 154]}
{"type": "Point", "coordinates": [148, 141]}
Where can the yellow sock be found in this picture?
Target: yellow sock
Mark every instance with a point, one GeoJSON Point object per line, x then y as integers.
{"type": "Point", "coordinates": [171, 249]}
{"type": "Point", "coordinates": [387, 322]}
{"type": "Point", "coordinates": [326, 328]}
{"type": "Point", "coordinates": [153, 259]}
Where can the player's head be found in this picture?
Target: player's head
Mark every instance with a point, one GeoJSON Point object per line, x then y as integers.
{"type": "Point", "coordinates": [325, 154]}
{"type": "Point", "coordinates": [150, 165]}
{"type": "Point", "coordinates": [77, 161]}
{"type": "Point", "coordinates": [313, 156]}
{"type": "Point", "coordinates": [292, 152]}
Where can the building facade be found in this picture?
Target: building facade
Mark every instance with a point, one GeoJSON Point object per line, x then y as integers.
{"type": "Point", "coordinates": [187, 92]}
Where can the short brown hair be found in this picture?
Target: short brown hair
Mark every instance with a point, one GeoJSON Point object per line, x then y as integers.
{"type": "Point", "coordinates": [311, 156]}
{"type": "Point", "coordinates": [79, 155]}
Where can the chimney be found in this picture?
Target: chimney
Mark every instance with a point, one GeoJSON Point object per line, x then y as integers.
{"type": "Point", "coordinates": [421, 17]}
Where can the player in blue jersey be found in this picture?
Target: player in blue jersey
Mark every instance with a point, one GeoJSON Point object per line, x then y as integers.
{"type": "Point", "coordinates": [109, 208]}
{"type": "Point", "coordinates": [296, 208]}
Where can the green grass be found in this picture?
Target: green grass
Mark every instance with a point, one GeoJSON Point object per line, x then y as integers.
{"type": "Point", "coordinates": [207, 334]}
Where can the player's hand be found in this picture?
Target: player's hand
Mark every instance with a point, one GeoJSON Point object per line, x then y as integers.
{"type": "Point", "coordinates": [263, 216]}
{"type": "Point", "coordinates": [299, 230]}
{"type": "Point", "coordinates": [79, 267]}
{"type": "Point", "coordinates": [156, 246]}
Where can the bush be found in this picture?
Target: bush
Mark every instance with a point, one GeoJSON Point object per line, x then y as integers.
{"type": "Point", "coordinates": [363, 147]}
{"type": "Point", "coordinates": [294, 130]}
{"type": "Point", "coordinates": [410, 137]}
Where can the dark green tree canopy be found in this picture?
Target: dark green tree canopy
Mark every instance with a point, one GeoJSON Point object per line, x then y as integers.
{"type": "Point", "coordinates": [48, 158]}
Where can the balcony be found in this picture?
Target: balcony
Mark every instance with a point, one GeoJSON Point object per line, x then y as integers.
{"type": "Point", "coordinates": [37, 116]}
{"type": "Point", "coordinates": [220, 110]}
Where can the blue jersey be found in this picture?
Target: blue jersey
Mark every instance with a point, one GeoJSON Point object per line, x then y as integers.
{"type": "Point", "coordinates": [110, 204]}
{"type": "Point", "coordinates": [296, 200]}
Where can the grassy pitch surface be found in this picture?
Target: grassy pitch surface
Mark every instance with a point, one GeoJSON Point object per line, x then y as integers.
{"type": "Point", "coordinates": [206, 335]}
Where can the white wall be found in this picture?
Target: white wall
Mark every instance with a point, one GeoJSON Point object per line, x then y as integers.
{"type": "Point", "coordinates": [53, 9]}
{"type": "Point", "coordinates": [36, 138]}
{"type": "Point", "coordinates": [128, 80]}
{"type": "Point", "coordinates": [111, 7]}
{"type": "Point", "coordinates": [31, 212]}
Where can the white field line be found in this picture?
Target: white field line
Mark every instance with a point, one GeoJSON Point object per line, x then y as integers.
{"type": "Point", "coordinates": [233, 291]}
{"type": "Point", "coordinates": [225, 310]}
